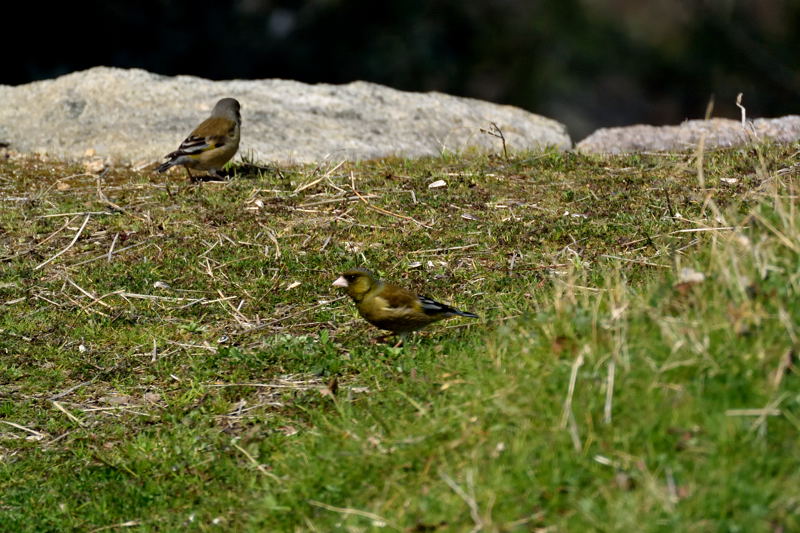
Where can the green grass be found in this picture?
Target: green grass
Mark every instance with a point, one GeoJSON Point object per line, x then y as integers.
{"type": "Point", "coordinates": [205, 376]}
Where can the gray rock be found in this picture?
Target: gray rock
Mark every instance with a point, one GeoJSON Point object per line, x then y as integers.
{"type": "Point", "coordinates": [718, 133]}
{"type": "Point", "coordinates": [133, 116]}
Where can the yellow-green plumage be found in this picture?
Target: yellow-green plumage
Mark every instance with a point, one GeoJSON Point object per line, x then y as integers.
{"type": "Point", "coordinates": [211, 144]}
{"type": "Point", "coordinates": [390, 307]}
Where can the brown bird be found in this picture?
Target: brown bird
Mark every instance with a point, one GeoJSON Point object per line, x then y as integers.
{"type": "Point", "coordinates": [212, 144]}
{"type": "Point", "coordinates": [390, 307]}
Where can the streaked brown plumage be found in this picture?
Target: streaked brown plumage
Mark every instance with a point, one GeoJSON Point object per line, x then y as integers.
{"type": "Point", "coordinates": [390, 307]}
{"type": "Point", "coordinates": [211, 144]}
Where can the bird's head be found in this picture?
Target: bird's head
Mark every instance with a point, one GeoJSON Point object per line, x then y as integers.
{"type": "Point", "coordinates": [357, 282]}
{"type": "Point", "coordinates": [227, 108]}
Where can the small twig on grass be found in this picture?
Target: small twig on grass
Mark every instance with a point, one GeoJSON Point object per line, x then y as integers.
{"type": "Point", "coordinates": [74, 240]}
{"type": "Point", "coordinates": [69, 390]}
{"type": "Point", "coordinates": [105, 201]}
{"type": "Point", "coordinates": [497, 132]}
{"type": "Point", "coordinates": [669, 204]}
{"type": "Point", "coordinates": [325, 244]}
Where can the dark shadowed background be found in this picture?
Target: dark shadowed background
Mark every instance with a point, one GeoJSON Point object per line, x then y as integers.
{"type": "Point", "coordinates": [587, 63]}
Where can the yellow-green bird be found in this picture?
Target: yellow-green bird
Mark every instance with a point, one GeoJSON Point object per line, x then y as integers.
{"type": "Point", "coordinates": [390, 307]}
{"type": "Point", "coordinates": [211, 144]}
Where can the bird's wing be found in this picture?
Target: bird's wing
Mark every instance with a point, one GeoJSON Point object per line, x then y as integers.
{"type": "Point", "coordinates": [212, 133]}
{"type": "Point", "coordinates": [215, 127]}
{"type": "Point", "coordinates": [397, 299]}
{"type": "Point", "coordinates": [432, 307]}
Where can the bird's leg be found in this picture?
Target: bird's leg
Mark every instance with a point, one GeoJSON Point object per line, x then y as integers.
{"type": "Point", "coordinates": [191, 178]}
{"type": "Point", "coordinates": [401, 339]}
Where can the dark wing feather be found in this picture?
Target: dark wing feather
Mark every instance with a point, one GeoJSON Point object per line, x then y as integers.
{"type": "Point", "coordinates": [203, 137]}
{"type": "Point", "coordinates": [432, 307]}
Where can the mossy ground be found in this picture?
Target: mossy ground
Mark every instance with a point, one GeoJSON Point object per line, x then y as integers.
{"type": "Point", "coordinates": [173, 357]}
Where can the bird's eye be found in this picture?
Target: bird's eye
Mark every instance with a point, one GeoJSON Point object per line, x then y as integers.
{"type": "Point", "coordinates": [350, 277]}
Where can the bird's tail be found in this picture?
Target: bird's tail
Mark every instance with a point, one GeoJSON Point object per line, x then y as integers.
{"type": "Point", "coordinates": [465, 313]}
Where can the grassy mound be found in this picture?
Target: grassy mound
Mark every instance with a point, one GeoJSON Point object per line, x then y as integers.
{"type": "Point", "coordinates": [172, 356]}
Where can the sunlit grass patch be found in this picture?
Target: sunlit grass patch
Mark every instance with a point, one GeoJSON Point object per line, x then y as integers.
{"type": "Point", "coordinates": [180, 361]}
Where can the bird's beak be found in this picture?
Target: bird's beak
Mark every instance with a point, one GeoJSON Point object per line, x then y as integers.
{"type": "Point", "coordinates": [340, 282]}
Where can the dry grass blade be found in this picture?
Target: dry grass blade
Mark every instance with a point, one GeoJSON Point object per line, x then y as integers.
{"type": "Point", "coordinates": [70, 245]}
{"type": "Point", "coordinates": [72, 417]}
{"type": "Point", "coordinates": [469, 500]}
{"type": "Point", "coordinates": [448, 249]}
{"type": "Point", "coordinates": [129, 523]}
{"type": "Point", "coordinates": [293, 315]}
{"type": "Point", "coordinates": [573, 378]}
{"type": "Point", "coordinates": [94, 298]}
{"type": "Point", "coordinates": [258, 465]}
{"type": "Point", "coordinates": [321, 178]}
{"type": "Point", "coordinates": [767, 411]}
{"type": "Point", "coordinates": [356, 512]}
{"type": "Point", "coordinates": [69, 390]}
{"type": "Point", "coordinates": [612, 368]}
{"type": "Point", "coordinates": [108, 255]}
{"type": "Point", "coordinates": [637, 261]}
{"type": "Point", "coordinates": [23, 428]}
